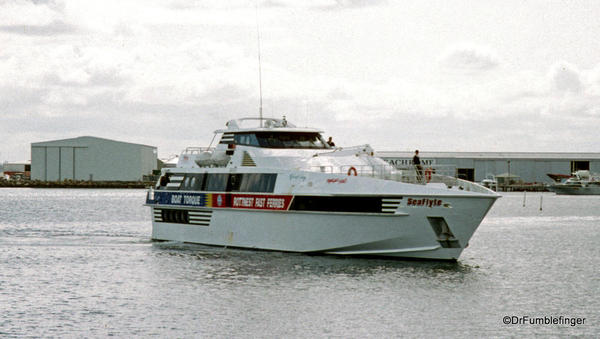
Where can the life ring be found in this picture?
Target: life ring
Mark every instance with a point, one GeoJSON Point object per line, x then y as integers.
{"type": "Point", "coordinates": [352, 170]}
{"type": "Point", "coordinates": [428, 173]}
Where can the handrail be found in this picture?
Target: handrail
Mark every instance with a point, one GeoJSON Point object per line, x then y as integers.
{"type": "Point", "coordinates": [408, 175]}
{"type": "Point", "coordinates": [197, 150]}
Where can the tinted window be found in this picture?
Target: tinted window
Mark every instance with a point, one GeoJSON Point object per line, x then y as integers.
{"type": "Point", "coordinates": [248, 139]}
{"type": "Point", "coordinates": [192, 182]}
{"type": "Point", "coordinates": [337, 204]}
{"type": "Point", "coordinates": [249, 182]}
{"type": "Point", "coordinates": [235, 181]}
{"type": "Point", "coordinates": [258, 182]}
{"type": "Point", "coordinates": [281, 140]}
{"type": "Point", "coordinates": [216, 182]}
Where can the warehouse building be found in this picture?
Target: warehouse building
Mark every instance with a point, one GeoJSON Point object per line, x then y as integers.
{"type": "Point", "coordinates": [476, 166]}
{"type": "Point", "coordinates": [91, 158]}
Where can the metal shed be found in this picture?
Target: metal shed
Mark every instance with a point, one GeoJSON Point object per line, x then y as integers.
{"type": "Point", "coordinates": [91, 158]}
{"type": "Point", "coordinates": [476, 166]}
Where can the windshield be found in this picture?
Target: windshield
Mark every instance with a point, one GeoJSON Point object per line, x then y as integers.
{"type": "Point", "coordinates": [281, 140]}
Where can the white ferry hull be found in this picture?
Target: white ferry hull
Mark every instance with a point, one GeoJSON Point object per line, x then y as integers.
{"type": "Point", "coordinates": [274, 186]}
{"type": "Point", "coordinates": [408, 233]}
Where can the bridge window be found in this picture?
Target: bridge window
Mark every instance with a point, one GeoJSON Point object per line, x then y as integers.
{"type": "Point", "coordinates": [281, 140]}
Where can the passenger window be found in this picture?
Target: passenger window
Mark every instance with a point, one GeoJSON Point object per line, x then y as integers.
{"type": "Point", "coordinates": [186, 183]}
{"type": "Point", "coordinates": [198, 185]}
{"type": "Point", "coordinates": [235, 181]}
{"type": "Point", "coordinates": [192, 182]}
{"type": "Point", "coordinates": [258, 182]}
{"type": "Point", "coordinates": [216, 182]}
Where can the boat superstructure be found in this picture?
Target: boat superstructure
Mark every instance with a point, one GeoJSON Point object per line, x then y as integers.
{"type": "Point", "coordinates": [271, 185]}
{"type": "Point", "coordinates": [580, 183]}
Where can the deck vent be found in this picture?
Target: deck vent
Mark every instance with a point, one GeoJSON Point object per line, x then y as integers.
{"type": "Point", "coordinates": [172, 216]}
{"type": "Point", "coordinates": [390, 205]}
{"type": "Point", "coordinates": [201, 218]}
{"type": "Point", "coordinates": [158, 215]}
{"type": "Point", "coordinates": [247, 160]}
{"type": "Point", "coordinates": [176, 216]}
{"type": "Point", "coordinates": [443, 233]}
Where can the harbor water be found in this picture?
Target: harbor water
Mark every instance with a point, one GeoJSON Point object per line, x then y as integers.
{"type": "Point", "coordinates": [80, 263]}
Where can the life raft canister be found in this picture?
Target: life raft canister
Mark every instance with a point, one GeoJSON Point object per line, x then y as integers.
{"type": "Point", "coordinates": [352, 170]}
{"type": "Point", "coordinates": [428, 173]}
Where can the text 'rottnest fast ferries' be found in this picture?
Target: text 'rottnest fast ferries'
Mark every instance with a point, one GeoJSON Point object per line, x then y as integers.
{"type": "Point", "coordinates": [273, 186]}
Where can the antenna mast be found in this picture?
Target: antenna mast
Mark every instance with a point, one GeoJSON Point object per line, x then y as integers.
{"type": "Point", "coordinates": [260, 107]}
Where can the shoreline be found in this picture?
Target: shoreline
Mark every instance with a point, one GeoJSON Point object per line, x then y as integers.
{"type": "Point", "coordinates": [74, 184]}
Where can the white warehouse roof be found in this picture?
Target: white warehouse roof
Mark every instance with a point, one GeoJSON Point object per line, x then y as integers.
{"type": "Point", "coordinates": [80, 141]}
{"type": "Point", "coordinates": [491, 155]}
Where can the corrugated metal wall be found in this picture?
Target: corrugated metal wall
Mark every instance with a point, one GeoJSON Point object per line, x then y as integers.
{"type": "Point", "coordinates": [89, 158]}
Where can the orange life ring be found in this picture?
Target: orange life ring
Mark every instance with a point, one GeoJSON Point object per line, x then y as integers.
{"type": "Point", "coordinates": [352, 170]}
{"type": "Point", "coordinates": [428, 173]}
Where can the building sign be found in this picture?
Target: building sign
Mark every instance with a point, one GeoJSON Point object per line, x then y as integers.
{"type": "Point", "coordinates": [408, 162]}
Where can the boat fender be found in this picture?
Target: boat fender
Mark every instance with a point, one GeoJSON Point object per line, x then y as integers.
{"type": "Point", "coordinates": [352, 170]}
{"type": "Point", "coordinates": [428, 172]}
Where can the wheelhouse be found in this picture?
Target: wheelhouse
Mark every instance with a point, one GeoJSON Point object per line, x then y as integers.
{"type": "Point", "coordinates": [276, 139]}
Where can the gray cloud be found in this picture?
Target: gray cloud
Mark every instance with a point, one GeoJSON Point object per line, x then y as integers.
{"type": "Point", "coordinates": [54, 28]}
{"type": "Point", "coordinates": [565, 78]}
{"type": "Point", "coordinates": [323, 5]}
{"type": "Point", "coordinates": [467, 58]}
{"type": "Point", "coordinates": [341, 4]}
{"type": "Point", "coordinates": [97, 78]}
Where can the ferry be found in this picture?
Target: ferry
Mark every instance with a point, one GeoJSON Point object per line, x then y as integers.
{"type": "Point", "coordinates": [270, 185]}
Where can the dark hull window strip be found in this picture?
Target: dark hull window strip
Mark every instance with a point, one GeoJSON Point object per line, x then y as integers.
{"type": "Point", "coordinates": [337, 204]}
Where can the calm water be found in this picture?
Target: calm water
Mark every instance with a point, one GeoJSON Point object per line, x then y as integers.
{"type": "Point", "coordinates": [80, 263]}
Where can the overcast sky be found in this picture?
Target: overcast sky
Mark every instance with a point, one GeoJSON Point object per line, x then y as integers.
{"type": "Point", "coordinates": [399, 75]}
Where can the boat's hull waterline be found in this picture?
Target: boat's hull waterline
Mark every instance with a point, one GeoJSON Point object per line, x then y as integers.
{"type": "Point", "coordinates": [421, 231]}
{"type": "Point", "coordinates": [571, 190]}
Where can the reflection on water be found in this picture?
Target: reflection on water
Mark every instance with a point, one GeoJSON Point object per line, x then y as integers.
{"type": "Point", "coordinates": [228, 262]}
{"type": "Point", "coordinates": [80, 263]}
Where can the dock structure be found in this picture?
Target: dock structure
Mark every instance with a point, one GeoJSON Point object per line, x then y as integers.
{"type": "Point", "coordinates": [74, 184]}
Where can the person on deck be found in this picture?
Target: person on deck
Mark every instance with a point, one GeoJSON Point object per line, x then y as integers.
{"type": "Point", "coordinates": [418, 167]}
{"type": "Point", "coordinates": [330, 142]}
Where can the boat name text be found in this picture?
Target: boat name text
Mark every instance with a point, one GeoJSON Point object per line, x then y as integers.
{"type": "Point", "coordinates": [187, 199]}
{"type": "Point", "coordinates": [424, 202]}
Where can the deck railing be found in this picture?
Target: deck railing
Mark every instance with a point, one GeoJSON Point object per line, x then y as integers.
{"type": "Point", "coordinates": [197, 150]}
{"type": "Point", "coordinates": [429, 175]}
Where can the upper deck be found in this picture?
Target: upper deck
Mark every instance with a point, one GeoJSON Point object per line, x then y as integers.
{"type": "Point", "coordinates": [262, 125]}
{"type": "Point", "coordinates": [274, 145]}
{"type": "Point", "coordinates": [271, 133]}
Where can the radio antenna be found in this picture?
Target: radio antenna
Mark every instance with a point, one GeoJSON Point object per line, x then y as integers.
{"type": "Point", "coordinates": [260, 107]}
